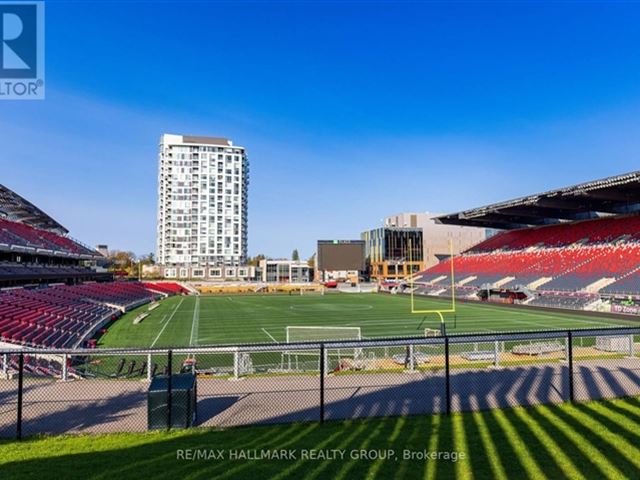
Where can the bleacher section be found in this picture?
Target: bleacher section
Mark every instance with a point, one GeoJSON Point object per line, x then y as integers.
{"type": "Point", "coordinates": [168, 288]}
{"type": "Point", "coordinates": [12, 270]}
{"type": "Point", "coordinates": [601, 231]}
{"type": "Point", "coordinates": [596, 256]}
{"type": "Point", "coordinates": [62, 315]}
{"type": "Point", "coordinates": [21, 237]}
{"type": "Point", "coordinates": [572, 300]}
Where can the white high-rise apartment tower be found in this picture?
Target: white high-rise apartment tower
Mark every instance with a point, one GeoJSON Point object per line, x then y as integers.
{"type": "Point", "coordinates": [202, 202]}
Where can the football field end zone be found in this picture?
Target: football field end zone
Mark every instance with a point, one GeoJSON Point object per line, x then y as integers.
{"type": "Point", "coordinates": [166, 323]}
{"type": "Point", "coordinates": [269, 335]}
{"type": "Point", "coordinates": [566, 311]}
{"type": "Point", "coordinates": [316, 333]}
{"type": "Point", "coordinates": [229, 330]}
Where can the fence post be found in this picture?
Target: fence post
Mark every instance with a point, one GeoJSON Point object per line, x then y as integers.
{"type": "Point", "coordinates": [325, 359]}
{"type": "Point", "coordinates": [447, 380]}
{"type": "Point", "coordinates": [20, 388]}
{"type": "Point", "coordinates": [570, 354]}
{"type": "Point", "coordinates": [496, 353]}
{"type": "Point", "coordinates": [322, 375]}
{"type": "Point", "coordinates": [169, 388]}
{"type": "Point", "coordinates": [411, 358]}
{"type": "Point", "coordinates": [5, 366]}
{"type": "Point", "coordinates": [236, 365]}
{"type": "Point", "coordinates": [65, 368]}
{"type": "Point", "coordinates": [632, 352]}
{"type": "Point", "coordinates": [149, 359]}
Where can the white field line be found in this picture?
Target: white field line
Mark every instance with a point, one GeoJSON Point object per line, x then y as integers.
{"type": "Point", "coordinates": [270, 336]}
{"type": "Point", "coordinates": [486, 320]}
{"type": "Point", "coordinates": [553, 316]}
{"type": "Point", "coordinates": [168, 321]}
{"type": "Point", "coordinates": [477, 326]}
{"type": "Point", "coordinates": [195, 322]}
{"type": "Point", "coordinates": [479, 322]}
{"type": "Point", "coordinates": [380, 322]}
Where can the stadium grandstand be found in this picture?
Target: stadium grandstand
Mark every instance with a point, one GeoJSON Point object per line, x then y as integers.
{"type": "Point", "coordinates": [51, 293]}
{"type": "Point", "coordinates": [35, 248]}
{"type": "Point", "coordinates": [167, 288]}
{"type": "Point", "coordinates": [575, 247]}
{"type": "Point", "coordinates": [67, 316]}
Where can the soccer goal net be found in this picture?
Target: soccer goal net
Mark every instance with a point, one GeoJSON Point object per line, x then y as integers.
{"type": "Point", "coordinates": [301, 360]}
{"type": "Point", "coordinates": [315, 334]}
{"type": "Point", "coordinates": [431, 332]}
{"type": "Point", "coordinates": [312, 291]}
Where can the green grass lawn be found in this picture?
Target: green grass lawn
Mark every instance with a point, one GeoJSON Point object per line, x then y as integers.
{"type": "Point", "coordinates": [210, 320]}
{"type": "Point", "coordinates": [588, 440]}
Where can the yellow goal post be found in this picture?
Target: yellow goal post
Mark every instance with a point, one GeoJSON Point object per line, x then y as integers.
{"type": "Point", "coordinates": [438, 312]}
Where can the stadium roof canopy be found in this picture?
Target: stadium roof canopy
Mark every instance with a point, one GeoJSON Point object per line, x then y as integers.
{"type": "Point", "coordinates": [609, 196]}
{"type": "Point", "coordinates": [14, 207]}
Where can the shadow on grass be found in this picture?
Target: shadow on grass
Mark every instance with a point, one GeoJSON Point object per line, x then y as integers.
{"type": "Point", "coordinates": [496, 441]}
{"type": "Point", "coordinates": [586, 435]}
{"type": "Point", "coordinates": [544, 457]}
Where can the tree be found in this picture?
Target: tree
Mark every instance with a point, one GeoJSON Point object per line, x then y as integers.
{"type": "Point", "coordinates": [148, 259]}
{"type": "Point", "coordinates": [122, 261]}
{"type": "Point", "coordinates": [312, 261]}
{"type": "Point", "coordinates": [295, 256]}
{"type": "Point", "coordinates": [255, 261]}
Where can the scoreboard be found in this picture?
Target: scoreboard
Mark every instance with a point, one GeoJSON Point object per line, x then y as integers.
{"type": "Point", "coordinates": [341, 255]}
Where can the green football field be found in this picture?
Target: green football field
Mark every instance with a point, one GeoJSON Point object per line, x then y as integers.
{"type": "Point", "coordinates": [215, 320]}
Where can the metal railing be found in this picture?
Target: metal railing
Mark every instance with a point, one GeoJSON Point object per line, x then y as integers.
{"type": "Point", "coordinates": [107, 390]}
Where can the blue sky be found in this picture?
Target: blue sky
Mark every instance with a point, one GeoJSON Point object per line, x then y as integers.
{"type": "Point", "coordinates": [350, 111]}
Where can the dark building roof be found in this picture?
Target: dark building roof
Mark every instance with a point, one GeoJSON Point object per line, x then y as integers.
{"type": "Point", "coordinates": [14, 207]}
{"type": "Point", "coordinates": [206, 140]}
{"type": "Point", "coordinates": [609, 196]}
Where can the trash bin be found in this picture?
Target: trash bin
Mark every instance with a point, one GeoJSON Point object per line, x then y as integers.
{"type": "Point", "coordinates": [183, 401]}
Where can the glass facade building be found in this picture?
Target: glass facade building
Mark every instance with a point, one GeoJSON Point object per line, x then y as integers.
{"type": "Point", "coordinates": [393, 252]}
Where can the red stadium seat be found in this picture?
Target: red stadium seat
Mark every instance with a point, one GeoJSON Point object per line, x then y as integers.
{"type": "Point", "coordinates": [564, 257]}
{"type": "Point", "coordinates": [61, 315]}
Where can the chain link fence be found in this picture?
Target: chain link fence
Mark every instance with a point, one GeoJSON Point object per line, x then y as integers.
{"type": "Point", "coordinates": [124, 390]}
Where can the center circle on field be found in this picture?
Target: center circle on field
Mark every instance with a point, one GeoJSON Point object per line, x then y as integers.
{"type": "Point", "coordinates": [330, 307]}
